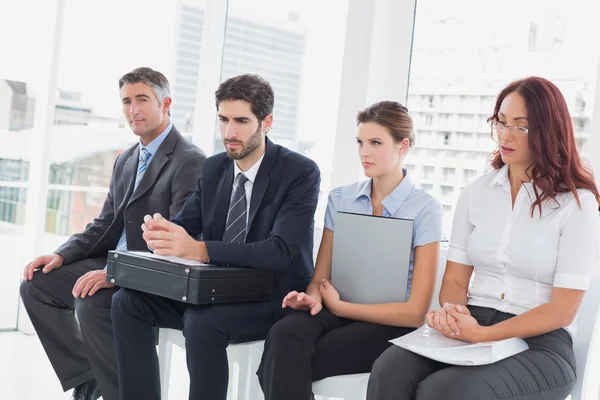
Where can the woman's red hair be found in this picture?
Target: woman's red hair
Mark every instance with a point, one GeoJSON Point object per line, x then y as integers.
{"type": "Point", "coordinates": [557, 167]}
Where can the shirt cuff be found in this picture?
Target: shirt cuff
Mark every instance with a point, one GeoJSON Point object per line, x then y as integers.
{"type": "Point", "coordinates": [571, 281]}
{"type": "Point", "coordinates": [458, 256]}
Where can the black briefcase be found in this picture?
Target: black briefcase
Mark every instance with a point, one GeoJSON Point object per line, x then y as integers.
{"type": "Point", "coordinates": [205, 284]}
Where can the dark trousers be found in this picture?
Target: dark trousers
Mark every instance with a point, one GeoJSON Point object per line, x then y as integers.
{"type": "Point", "coordinates": [78, 351]}
{"type": "Point", "coordinates": [546, 371]}
{"type": "Point", "coordinates": [302, 348]}
{"type": "Point", "coordinates": [208, 330]}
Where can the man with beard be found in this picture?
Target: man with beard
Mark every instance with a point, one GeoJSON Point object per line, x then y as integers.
{"type": "Point", "coordinates": [253, 207]}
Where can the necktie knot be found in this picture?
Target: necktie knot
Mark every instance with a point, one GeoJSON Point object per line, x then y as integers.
{"type": "Point", "coordinates": [241, 179]}
{"type": "Point", "coordinates": [144, 155]}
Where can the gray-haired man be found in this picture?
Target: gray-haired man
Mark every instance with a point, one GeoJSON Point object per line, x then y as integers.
{"type": "Point", "coordinates": [155, 175]}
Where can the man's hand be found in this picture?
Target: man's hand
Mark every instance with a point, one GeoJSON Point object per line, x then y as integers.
{"type": "Point", "coordinates": [90, 283]}
{"type": "Point", "coordinates": [302, 301]}
{"type": "Point", "coordinates": [168, 239]}
{"type": "Point", "coordinates": [49, 262]}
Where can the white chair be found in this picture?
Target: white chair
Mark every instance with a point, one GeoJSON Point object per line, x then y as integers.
{"type": "Point", "coordinates": [347, 387]}
{"type": "Point", "coordinates": [238, 355]}
{"type": "Point", "coordinates": [243, 360]}
{"type": "Point", "coordinates": [586, 348]}
{"type": "Point", "coordinates": [354, 387]}
{"type": "Point", "coordinates": [587, 345]}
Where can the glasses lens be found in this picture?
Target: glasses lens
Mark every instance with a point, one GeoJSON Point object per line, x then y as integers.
{"type": "Point", "coordinates": [519, 131]}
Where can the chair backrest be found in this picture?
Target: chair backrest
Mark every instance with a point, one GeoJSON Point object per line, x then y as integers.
{"type": "Point", "coordinates": [587, 344]}
{"type": "Point", "coordinates": [587, 341]}
{"type": "Point", "coordinates": [435, 303]}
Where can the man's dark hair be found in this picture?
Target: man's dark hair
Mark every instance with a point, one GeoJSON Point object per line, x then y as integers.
{"type": "Point", "coordinates": [251, 88]}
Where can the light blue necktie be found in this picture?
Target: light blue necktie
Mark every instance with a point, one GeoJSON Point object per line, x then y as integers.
{"type": "Point", "coordinates": [142, 166]}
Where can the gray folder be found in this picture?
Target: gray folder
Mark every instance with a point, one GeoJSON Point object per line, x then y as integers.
{"type": "Point", "coordinates": [371, 257]}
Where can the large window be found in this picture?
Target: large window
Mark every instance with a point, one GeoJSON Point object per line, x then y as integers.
{"type": "Point", "coordinates": [89, 128]}
{"type": "Point", "coordinates": [297, 45]}
{"type": "Point", "coordinates": [325, 60]}
{"type": "Point", "coordinates": [465, 51]}
{"type": "Point", "coordinates": [21, 77]}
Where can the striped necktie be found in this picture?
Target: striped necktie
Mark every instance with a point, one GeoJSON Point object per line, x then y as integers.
{"type": "Point", "coordinates": [235, 228]}
{"type": "Point", "coordinates": [142, 166]}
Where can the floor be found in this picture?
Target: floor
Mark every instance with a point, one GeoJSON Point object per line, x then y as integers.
{"type": "Point", "coordinates": [26, 373]}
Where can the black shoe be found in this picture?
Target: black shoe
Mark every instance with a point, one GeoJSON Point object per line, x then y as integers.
{"type": "Point", "coordinates": [86, 391]}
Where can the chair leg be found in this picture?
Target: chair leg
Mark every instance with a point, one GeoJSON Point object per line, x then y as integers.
{"type": "Point", "coordinates": [232, 386]}
{"type": "Point", "coordinates": [245, 372]}
{"type": "Point", "coordinates": [254, 390]}
{"type": "Point", "coordinates": [363, 390]}
{"type": "Point", "coordinates": [165, 352]}
{"type": "Point", "coordinates": [242, 371]}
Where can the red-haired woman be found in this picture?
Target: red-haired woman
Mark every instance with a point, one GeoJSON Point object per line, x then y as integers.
{"type": "Point", "coordinates": [527, 238]}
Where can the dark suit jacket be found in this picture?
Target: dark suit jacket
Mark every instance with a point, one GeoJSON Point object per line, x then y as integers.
{"type": "Point", "coordinates": [280, 223]}
{"type": "Point", "coordinates": [169, 180]}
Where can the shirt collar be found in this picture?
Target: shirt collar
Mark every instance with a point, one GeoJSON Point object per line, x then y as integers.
{"type": "Point", "coordinates": [153, 146]}
{"type": "Point", "coordinates": [394, 200]}
{"type": "Point", "coordinates": [251, 172]}
{"type": "Point", "coordinates": [503, 180]}
{"type": "Point", "coordinates": [501, 177]}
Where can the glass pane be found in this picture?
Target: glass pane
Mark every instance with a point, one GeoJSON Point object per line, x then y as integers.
{"type": "Point", "coordinates": [12, 221]}
{"type": "Point", "coordinates": [12, 209]}
{"type": "Point", "coordinates": [68, 212]}
{"type": "Point", "coordinates": [90, 130]}
{"type": "Point", "coordinates": [13, 169]}
{"type": "Point", "coordinates": [464, 53]}
{"type": "Point", "coordinates": [25, 46]}
{"type": "Point", "coordinates": [21, 77]}
{"type": "Point", "coordinates": [90, 164]}
{"type": "Point", "coordinates": [188, 44]}
{"type": "Point", "coordinates": [297, 45]}
{"type": "Point", "coordinates": [89, 127]}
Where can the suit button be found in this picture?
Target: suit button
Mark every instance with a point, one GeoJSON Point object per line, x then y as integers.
{"type": "Point", "coordinates": [130, 222]}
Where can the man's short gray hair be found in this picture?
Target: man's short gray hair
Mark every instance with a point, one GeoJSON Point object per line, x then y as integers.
{"type": "Point", "coordinates": [157, 81]}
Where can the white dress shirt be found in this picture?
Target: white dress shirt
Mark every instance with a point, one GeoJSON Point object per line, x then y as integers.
{"type": "Point", "coordinates": [518, 259]}
{"type": "Point", "coordinates": [251, 175]}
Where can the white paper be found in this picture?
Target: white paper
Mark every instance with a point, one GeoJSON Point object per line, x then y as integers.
{"type": "Point", "coordinates": [173, 259]}
{"type": "Point", "coordinates": [432, 344]}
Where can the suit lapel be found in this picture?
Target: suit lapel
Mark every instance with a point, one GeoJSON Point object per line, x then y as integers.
{"type": "Point", "coordinates": [129, 173]}
{"type": "Point", "coordinates": [223, 196]}
{"type": "Point", "coordinates": [157, 163]}
{"type": "Point", "coordinates": [262, 180]}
